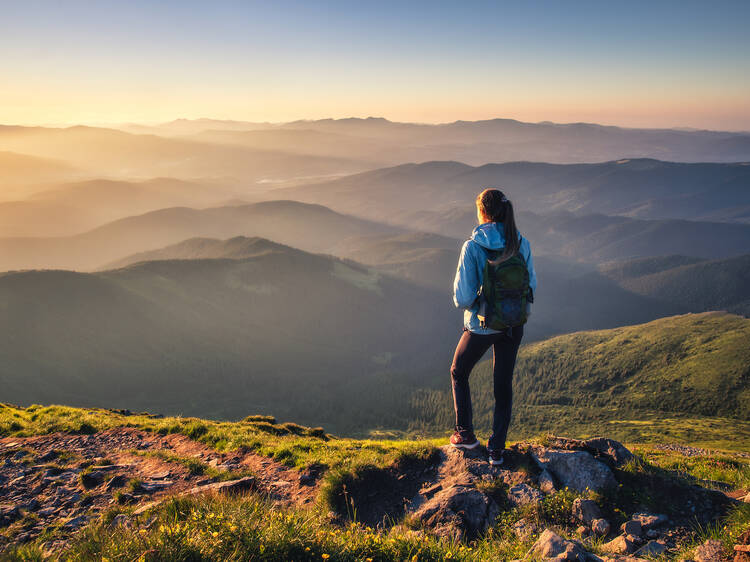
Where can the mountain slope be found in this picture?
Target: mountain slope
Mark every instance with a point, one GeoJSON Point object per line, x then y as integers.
{"type": "Point", "coordinates": [690, 365]}
{"type": "Point", "coordinates": [282, 330]}
{"type": "Point", "coordinates": [697, 284]}
{"type": "Point", "coordinates": [309, 227]}
{"type": "Point", "coordinates": [236, 248]}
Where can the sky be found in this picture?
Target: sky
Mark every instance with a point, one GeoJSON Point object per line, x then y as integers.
{"type": "Point", "coordinates": [635, 64]}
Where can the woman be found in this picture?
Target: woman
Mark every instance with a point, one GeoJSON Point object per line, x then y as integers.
{"type": "Point", "coordinates": [496, 231]}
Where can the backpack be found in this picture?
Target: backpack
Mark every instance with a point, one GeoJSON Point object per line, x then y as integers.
{"type": "Point", "coordinates": [504, 293]}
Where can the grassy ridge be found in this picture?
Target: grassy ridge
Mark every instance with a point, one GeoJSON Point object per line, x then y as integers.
{"type": "Point", "coordinates": [249, 527]}
{"type": "Point", "coordinates": [631, 382]}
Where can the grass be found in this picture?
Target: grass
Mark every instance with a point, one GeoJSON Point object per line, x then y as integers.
{"type": "Point", "coordinates": [247, 527]}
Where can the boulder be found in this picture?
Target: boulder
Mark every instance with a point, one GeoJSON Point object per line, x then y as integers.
{"type": "Point", "coordinates": [632, 527]}
{"type": "Point", "coordinates": [551, 546]}
{"type": "Point", "coordinates": [652, 548]}
{"type": "Point", "coordinates": [600, 527]}
{"type": "Point", "coordinates": [575, 469]}
{"type": "Point", "coordinates": [614, 450]}
{"type": "Point", "coordinates": [709, 551]}
{"type": "Point", "coordinates": [458, 512]}
{"type": "Point", "coordinates": [546, 482]}
{"type": "Point", "coordinates": [624, 544]}
{"type": "Point", "coordinates": [586, 510]}
{"type": "Point", "coordinates": [649, 520]}
{"type": "Point", "coordinates": [523, 494]}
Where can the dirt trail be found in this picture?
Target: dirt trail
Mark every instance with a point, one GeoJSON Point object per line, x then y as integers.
{"type": "Point", "coordinates": [74, 477]}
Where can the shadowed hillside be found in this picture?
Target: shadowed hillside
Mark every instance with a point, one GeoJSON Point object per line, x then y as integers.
{"type": "Point", "coordinates": [283, 328]}
{"type": "Point", "coordinates": [697, 284]}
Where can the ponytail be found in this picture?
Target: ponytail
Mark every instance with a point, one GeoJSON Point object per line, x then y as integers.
{"type": "Point", "coordinates": [494, 206]}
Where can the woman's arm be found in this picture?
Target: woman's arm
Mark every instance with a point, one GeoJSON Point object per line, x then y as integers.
{"type": "Point", "coordinates": [466, 283]}
{"type": "Point", "coordinates": [526, 253]}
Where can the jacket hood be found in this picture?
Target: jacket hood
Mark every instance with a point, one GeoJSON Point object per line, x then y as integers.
{"type": "Point", "coordinates": [489, 235]}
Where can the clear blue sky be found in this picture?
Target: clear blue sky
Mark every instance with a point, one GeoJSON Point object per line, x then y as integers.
{"type": "Point", "coordinates": [654, 63]}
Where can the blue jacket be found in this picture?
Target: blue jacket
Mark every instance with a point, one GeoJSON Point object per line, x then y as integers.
{"type": "Point", "coordinates": [487, 236]}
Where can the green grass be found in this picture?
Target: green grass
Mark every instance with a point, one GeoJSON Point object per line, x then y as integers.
{"type": "Point", "coordinates": [248, 527]}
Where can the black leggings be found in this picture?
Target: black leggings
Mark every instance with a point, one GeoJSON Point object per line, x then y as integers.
{"type": "Point", "coordinates": [470, 349]}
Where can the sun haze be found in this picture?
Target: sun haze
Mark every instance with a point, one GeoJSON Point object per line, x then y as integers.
{"type": "Point", "coordinates": [660, 64]}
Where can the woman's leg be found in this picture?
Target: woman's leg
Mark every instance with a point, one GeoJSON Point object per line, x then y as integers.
{"type": "Point", "coordinates": [469, 351]}
{"type": "Point", "coordinates": [505, 350]}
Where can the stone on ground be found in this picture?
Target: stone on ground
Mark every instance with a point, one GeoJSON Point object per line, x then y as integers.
{"type": "Point", "coordinates": [651, 548]}
{"type": "Point", "coordinates": [551, 546]}
{"type": "Point", "coordinates": [523, 494]}
{"type": "Point", "coordinates": [624, 544]}
{"type": "Point", "coordinates": [601, 527]}
{"type": "Point", "coordinates": [709, 551]}
{"type": "Point", "coordinates": [632, 527]}
{"type": "Point", "coordinates": [458, 511]}
{"type": "Point", "coordinates": [575, 469]}
{"type": "Point", "coordinates": [586, 510]}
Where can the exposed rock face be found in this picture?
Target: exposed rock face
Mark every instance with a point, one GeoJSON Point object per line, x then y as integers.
{"type": "Point", "coordinates": [458, 511]}
{"type": "Point", "coordinates": [546, 482]}
{"type": "Point", "coordinates": [603, 448]}
{"type": "Point", "coordinates": [551, 546]}
{"type": "Point", "coordinates": [575, 469]}
{"type": "Point", "coordinates": [632, 527]}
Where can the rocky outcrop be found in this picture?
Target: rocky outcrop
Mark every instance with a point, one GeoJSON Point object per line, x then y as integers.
{"type": "Point", "coordinates": [577, 470]}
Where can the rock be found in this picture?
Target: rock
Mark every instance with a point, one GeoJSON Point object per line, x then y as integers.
{"type": "Point", "coordinates": [651, 548]}
{"type": "Point", "coordinates": [575, 469]}
{"type": "Point", "coordinates": [458, 512]}
{"type": "Point", "coordinates": [126, 498]}
{"type": "Point", "coordinates": [76, 522]}
{"type": "Point", "coordinates": [92, 479]}
{"type": "Point", "coordinates": [523, 494]}
{"type": "Point", "coordinates": [146, 506]}
{"type": "Point", "coordinates": [620, 545]}
{"type": "Point", "coordinates": [586, 510]}
{"type": "Point", "coordinates": [632, 527]}
{"type": "Point", "coordinates": [121, 520]}
{"type": "Point", "coordinates": [117, 481]}
{"type": "Point", "coordinates": [546, 482]}
{"type": "Point", "coordinates": [583, 531]}
{"type": "Point", "coordinates": [155, 486]}
{"type": "Point", "coordinates": [228, 487]}
{"type": "Point", "coordinates": [709, 551]}
{"type": "Point", "coordinates": [600, 527]}
{"type": "Point", "coordinates": [652, 534]}
{"type": "Point", "coordinates": [614, 450]}
{"type": "Point", "coordinates": [8, 514]}
{"type": "Point", "coordinates": [649, 521]}
{"type": "Point", "coordinates": [47, 457]}
{"type": "Point", "coordinates": [551, 546]}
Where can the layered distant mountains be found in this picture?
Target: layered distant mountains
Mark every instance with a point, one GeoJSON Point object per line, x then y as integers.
{"type": "Point", "coordinates": [305, 269]}
{"type": "Point", "coordinates": [646, 189]}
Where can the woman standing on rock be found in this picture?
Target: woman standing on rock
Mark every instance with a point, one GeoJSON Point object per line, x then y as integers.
{"type": "Point", "coordinates": [495, 282]}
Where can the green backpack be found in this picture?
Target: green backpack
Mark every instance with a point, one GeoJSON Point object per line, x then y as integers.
{"type": "Point", "coordinates": [505, 292]}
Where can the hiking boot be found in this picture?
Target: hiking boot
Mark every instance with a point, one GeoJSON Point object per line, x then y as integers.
{"type": "Point", "coordinates": [496, 456]}
{"type": "Point", "coordinates": [464, 439]}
